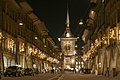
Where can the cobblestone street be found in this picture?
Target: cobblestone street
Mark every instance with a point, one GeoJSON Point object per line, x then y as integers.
{"type": "Point", "coordinates": [74, 76]}
{"type": "Point", "coordinates": [65, 76]}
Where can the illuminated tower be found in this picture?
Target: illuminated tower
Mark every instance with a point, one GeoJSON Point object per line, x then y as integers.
{"type": "Point", "coordinates": [68, 46]}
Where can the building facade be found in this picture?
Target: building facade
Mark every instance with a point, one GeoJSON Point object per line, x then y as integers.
{"type": "Point", "coordinates": [102, 42]}
{"type": "Point", "coordinates": [24, 38]}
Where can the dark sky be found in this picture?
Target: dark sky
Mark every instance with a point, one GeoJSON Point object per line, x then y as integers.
{"type": "Point", "coordinates": [53, 13]}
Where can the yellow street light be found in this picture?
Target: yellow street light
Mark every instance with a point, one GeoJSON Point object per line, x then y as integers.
{"type": "Point", "coordinates": [81, 22]}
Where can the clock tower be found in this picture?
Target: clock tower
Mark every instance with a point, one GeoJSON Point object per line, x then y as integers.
{"type": "Point", "coordinates": [68, 46]}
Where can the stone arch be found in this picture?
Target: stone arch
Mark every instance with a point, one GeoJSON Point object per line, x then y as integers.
{"type": "Point", "coordinates": [12, 62]}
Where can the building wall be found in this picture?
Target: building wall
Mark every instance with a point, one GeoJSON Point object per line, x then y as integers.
{"type": "Point", "coordinates": [107, 18]}
{"type": "Point", "coordinates": [17, 42]}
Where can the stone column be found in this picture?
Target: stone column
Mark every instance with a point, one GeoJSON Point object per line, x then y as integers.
{"type": "Point", "coordinates": [104, 61]}
{"type": "Point", "coordinates": [17, 50]}
{"type": "Point", "coordinates": [113, 61]}
{"type": "Point", "coordinates": [96, 65]}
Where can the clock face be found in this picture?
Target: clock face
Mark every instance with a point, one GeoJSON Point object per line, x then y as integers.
{"type": "Point", "coordinates": [67, 47]}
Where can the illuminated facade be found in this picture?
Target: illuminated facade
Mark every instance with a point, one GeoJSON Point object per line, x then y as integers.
{"type": "Point", "coordinates": [103, 46]}
{"type": "Point", "coordinates": [24, 39]}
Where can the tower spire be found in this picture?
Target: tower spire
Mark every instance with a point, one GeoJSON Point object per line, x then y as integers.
{"type": "Point", "coordinates": [67, 32]}
{"type": "Point", "coordinates": [67, 19]}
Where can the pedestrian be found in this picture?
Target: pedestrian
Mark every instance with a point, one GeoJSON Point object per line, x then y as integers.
{"type": "Point", "coordinates": [52, 71]}
{"type": "Point", "coordinates": [107, 72]}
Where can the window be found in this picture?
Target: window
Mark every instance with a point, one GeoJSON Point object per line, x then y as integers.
{"type": "Point", "coordinates": [92, 14]}
{"type": "Point", "coordinates": [21, 47]}
{"type": "Point", "coordinates": [118, 15]}
{"type": "Point", "coordinates": [103, 1]}
{"type": "Point", "coordinates": [14, 48]}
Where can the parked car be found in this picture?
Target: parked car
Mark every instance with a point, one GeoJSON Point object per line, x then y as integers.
{"type": "Point", "coordinates": [14, 71]}
{"type": "Point", "coordinates": [29, 71]}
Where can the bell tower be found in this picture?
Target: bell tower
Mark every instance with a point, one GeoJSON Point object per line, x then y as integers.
{"type": "Point", "coordinates": [68, 46]}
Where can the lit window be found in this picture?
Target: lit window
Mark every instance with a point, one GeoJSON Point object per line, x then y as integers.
{"type": "Point", "coordinates": [21, 47]}
{"type": "Point", "coordinates": [67, 35]}
{"type": "Point", "coordinates": [102, 0]}
{"type": "Point", "coordinates": [1, 35]}
{"type": "Point", "coordinates": [72, 60]}
{"type": "Point", "coordinates": [92, 14]}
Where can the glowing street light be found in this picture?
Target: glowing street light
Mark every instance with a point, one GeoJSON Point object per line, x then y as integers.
{"type": "Point", "coordinates": [81, 22]}
{"type": "Point", "coordinates": [21, 24]}
{"type": "Point", "coordinates": [58, 39]}
{"type": "Point", "coordinates": [36, 37]}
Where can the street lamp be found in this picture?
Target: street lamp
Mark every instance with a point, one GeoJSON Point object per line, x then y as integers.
{"type": "Point", "coordinates": [81, 22]}
{"type": "Point", "coordinates": [20, 24]}
{"type": "Point", "coordinates": [36, 37]}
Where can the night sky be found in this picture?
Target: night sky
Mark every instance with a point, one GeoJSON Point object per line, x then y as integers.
{"type": "Point", "coordinates": [53, 13]}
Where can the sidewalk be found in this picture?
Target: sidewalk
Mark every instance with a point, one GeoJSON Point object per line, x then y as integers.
{"type": "Point", "coordinates": [40, 76]}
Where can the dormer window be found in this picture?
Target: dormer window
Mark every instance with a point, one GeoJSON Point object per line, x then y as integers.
{"type": "Point", "coordinates": [67, 34]}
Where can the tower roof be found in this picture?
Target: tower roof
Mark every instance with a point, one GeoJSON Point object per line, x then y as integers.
{"type": "Point", "coordinates": [67, 33]}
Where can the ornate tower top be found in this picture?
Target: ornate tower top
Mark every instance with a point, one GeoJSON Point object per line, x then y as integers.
{"type": "Point", "coordinates": [67, 33]}
{"type": "Point", "coordinates": [67, 19]}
